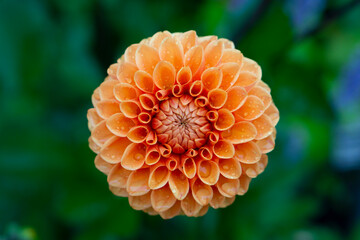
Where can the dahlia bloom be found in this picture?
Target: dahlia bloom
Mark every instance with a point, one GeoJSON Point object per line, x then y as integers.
{"type": "Point", "coordinates": [182, 123]}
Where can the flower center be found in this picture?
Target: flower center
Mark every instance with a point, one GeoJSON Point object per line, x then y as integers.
{"type": "Point", "coordinates": [181, 124]}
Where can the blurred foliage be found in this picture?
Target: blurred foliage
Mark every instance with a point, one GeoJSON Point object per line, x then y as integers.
{"type": "Point", "coordinates": [55, 53]}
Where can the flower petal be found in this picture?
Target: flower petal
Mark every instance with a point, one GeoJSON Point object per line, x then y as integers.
{"type": "Point", "coordinates": [93, 118]}
{"type": "Point", "coordinates": [101, 133]}
{"type": "Point", "coordinates": [230, 168]}
{"type": "Point", "coordinates": [267, 144]}
{"type": "Point", "coordinates": [144, 81]}
{"type": "Point", "coordinates": [263, 126]}
{"type": "Point", "coordinates": [121, 192]}
{"type": "Point", "coordinates": [138, 134]}
{"type": "Point", "coordinates": [171, 51]}
{"type": "Point", "coordinates": [196, 88]}
{"type": "Point", "coordinates": [125, 91]}
{"type": "Point", "coordinates": [217, 98]}
{"type": "Point", "coordinates": [118, 176]}
{"type": "Point", "coordinates": [113, 149]}
{"type": "Point", "coordinates": [164, 75]}
{"type": "Point", "coordinates": [172, 212]}
{"type": "Point", "coordinates": [130, 109]}
{"type": "Point", "coordinates": [147, 101]}
{"type": "Point", "coordinates": [236, 97]}
{"type": "Point", "coordinates": [208, 172]}
{"type": "Point", "coordinates": [230, 72]}
{"type": "Point", "coordinates": [225, 120]}
{"type": "Point", "coordinates": [252, 108]}
{"type": "Point", "coordinates": [102, 165]}
{"type": "Point", "coordinates": [201, 192]}
{"type": "Point", "coordinates": [188, 40]}
{"type": "Point", "coordinates": [228, 187]}
{"type": "Point", "coordinates": [126, 72]}
{"type": "Point", "coordinates": [93, 146]}
{"type": "Point", "coordinates": [107, 108]}
{"type": "Point", "coordinates": [232, 55]}
{"type": "Point", "coordinates": [246, 80]}
{"type": "Point", "coordinates": [244, 184]}
{"type": "Point", "coordinates": [273, 113]}
{"type": "Point", "coordinates": [184, 75]}
{"type": "Point", "coordinates": [262, 94]}
{"type": "Point", "coordinates": [194, 59]}
{"type": "Point", "coordinates": [224, 149]}
{"type": "Point", "coordinates": [241, 132]}
{"type": "Point", "coordinates": [162, 199]}
{"type": "Point", "coordinates": [119, 125]}
{"type": "Point", "coordinates": [211, 78]}
{"type": "Point", "coordinates": [190, 206]}
{"type": "Point", "coordinates": [213, 53]}
{"type": "Point", "coordinates": [130, 53]}
{"type": "Point", "coordinates": [134, 156]}
{"type": "Point", "coordinates": [253, 170]}
{"type": "Point", "coordinates": [137, 183]}
{"type": "Point", "coordinates": [146, 58]}
{"type": "Point", "coordinates": [189, 167]}
{"type": "Point", "coordinates": [140, 202]}
{"type": "Point", "coordinates": [159, 176]}
{"type": "Point", "coordinates": [106, 89]}
{"type": "Point", "coordinates": [158, 37]}
{"type": "Point", "coordinates": [217, 199]}
{"type": "Point", "coordinates": [247, 152]}
{"type": "Point", "coordinates": [251, 66]}
{"type": "Point", "coordinates": [179, 184]}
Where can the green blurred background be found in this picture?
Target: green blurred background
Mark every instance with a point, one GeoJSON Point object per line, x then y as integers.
{"type": "Point", "coordinates": [54, 53]}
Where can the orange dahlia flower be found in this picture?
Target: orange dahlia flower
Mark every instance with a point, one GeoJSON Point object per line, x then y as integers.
{"type": "Point", "coordinates": [182, 123]}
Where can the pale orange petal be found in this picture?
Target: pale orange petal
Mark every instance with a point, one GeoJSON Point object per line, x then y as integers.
{"type": "Point", "coordinates": [137, 183]}
{"type": "Point", "coordinates": [190, 206]}
{"type": "Point", "coordinates": [252, 108]}
{"type": "Point", "coordinates": [179, 184]}
{"type": "Point", "coordinates": [93, 146]}
{"type": "Point", "coordinates": [230, 72]}
{"type": "Point", "coordinates": [273, 113]}
{"type": "Point", "coordinates": [208, 172]}
{"type": "Point", "coordinates": [125, 91]}
{"type": "Point", "coordinates": [213, 53]}
{"type": "Point", "coordinates": [212, 115]}
{"type": "Point", "coordinates": [217, 199]}
{"type": "Point", "coordinates": [236, 97]}
{"type": "Point", "coordinates": [224, 149]}
{"type": "Point", "coordinates": [93, 118]}
{"type": "Point", "coordinates": [172, 212]}
{"type": "Point", "coordinates": [112, 70]}
{"type": "Point", "coordinates": [152, 155]}
{"type": "Point", "coordinates": [227, 202]}
{"type": "Point", "coordinates": [171, 51]}
{"type": "Point", "coordinates": [244, 184]}
{"type": "Point", "coordinates": [101, 133]}
{"type": "Point", "coordinates": [189, 167]}
{"type": "Point", "coordinates": [251, 66]}
{"type": "Point", "coordinates": [118, 176]}
{"type": "Point", "coordinates": [247, 152]}
{"type": "Point", "coordinates": [158, 37]}
{"type": "Point", "coordinates": [159, 176]}
{"type": "Point", "coordinates": [264, 127]}
{"type": "Point", "coordinates": [206, 40]}
{"type": "Point", "coordinates": [227, 43]}
{"type": "Point", "coordinates": [253, 170]}
{"type": "Point", "coordinates": [184, 75]}
{"type": "Point", "coordinates": [201, 101]}
{"type": "Point", "coordinates": [138, 134]}
{"type": "Point", "coordinates": [262, 94]}
{"type": "Point", "coordinates": [144, 81]}
{"type": "Point", "coordinates": [119, 125]}
{"type": "Point", "coordinates": [194, 59]}
{"type": "Point", "coordinates": [201, 192]}
{"type": "Point", "coordinates": [106, 108]}
{"type": "Point", "coordinates": [196, 88]}
{"type": "Point", "coordinates": [140, 202]}
{"type": "Point", "coordinates": [217, 98]}
{"type": "Point", "coordinates": [267, 144]}
{"type": "Point", "coordinates": [211, 78]}
{"type": "Point", "coordinates": [106, 89]}
{"type": "Point", "coordinates": [228, 187]}
{"type": "Point", "coordinates": [130, 52]}
{"type": "Point", "coordinates": [172, 162]}
{"type": "Point", "coordinates": [225, 120]}
{"type": "Point", "coordinates": [188, 40]}
{"type": "Point", "coordinates": [130, 109]}
{"type": "Point", "coordinates": [144, 117]}
{"type": "Point", "coordinates": [134, 156]}
{"type": "Point", "coordinates": [113, 149]}
{"type": "Point", "coordinates": [147, 101]}
{"type": "Point", "coordinates": [206, 152]}
{"type": "Point", "coordinates": [162, 199]}
{"type": "Point", "coordinates": [164, 75]}
{"type": "Point", "coordinates": [213, 137]}
{"type": "Point", "coordinates": [232, 55]}
{"type": "Point", "coordinates": [126, 72]}
{"type": "Point", "coordinates": [146, 58]}
{"type": "Point", "coordinates": [102, 165]}
{"type": "Point", "coordinates": [246, 80]}
{"type": "Point", "coordinates": [95, 97]}
{"type": "Point", "coordinates": [121, 192]}
{"type": "Point", "coordinates": [241, 132]}
{"type": "Point", "coordinates": [230, 168]}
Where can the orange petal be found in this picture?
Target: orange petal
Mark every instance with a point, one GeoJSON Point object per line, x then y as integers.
{"type": "Point", "coordinates": [162, 95]}
{"type": "Point", "coordinates": [213, 53]}
{"type": "Point", "coordinates": [232, 55]}
{"type": "Point", "coordinates": [217, 98]}
{"type": "Point", "coordinates": [152, 155]}
{"type": "Point", "coordinates": [227, 43]}
{"type": "Point", "coordinates": [251, 66]}
{"type": "Point", "coordinates": [230, 168]}
{"type": "Point", "coordinates": [188, 40]}
{"type": "Point", "coordinates": [113, 149]}
{"type": "Point", "coordinates": [194, 59]}
{"type": "Point", "coordinates": [213, 137]}
{"type": "Point", "coordinates": [202, 211]}
{"type": "Point", "coordinates": [164, 75]}
{"type": "Point", "coordinates": [267, 144]}
{"type": "Point", "coordinates": [147, 101]}
{"type": "Point", "coordinates": [263, 126]}
{"type": "Point", "coordinates": [236, 97]}
{"type": "Point", "coordinates": [201, 101]}
{"type": "Point", "coordinates": [95, 98]}
{"type": "Point", "coordinates": [208, 172]}
{"type": "Point", "coordinates": [201, 192]}
{"type": "Point", "coordinates": [211, 78]}
{"type": "Point", "coordinates": [273, 113]}
{"type": "Point", "coordinates": [244, 184]}
{"type": "Point", "coordinates": [189, 167]}
{"type": "Point", "coordinates": [106, 108]}
{"type": "Point", "coordinates": [158, 37]}
{"type": "Point", "coordinates": [106, 89]}
{"type": "Point", "coordinates": [134, 156]}
{"type": "Point", "coordinates": [228, 187]}
{"type": "Point", "coordinates": [206, 40]}
{"type": "Point", "coordinates": [93, 146]}
{"type": "Point", "coordinates": [247, 152]}
{"type": "Point", "coordinates": [206, 152]}
{"type": "Point", "coordinates": [151, 211]}
{"type": "Point", "coordinates": [121, 192]}
{"type": "Point", "coordinates": [140, 202]}
{"type": "Point", "coordinates": [130, 53]}
{"type": "Point", "coordinates": [159, 176]}
{"type": "Point", "coordinates": [102, 165]}
{"type": "Point", "coordinates": [144, 117]}
{"type": "Point", "coordinates": [227, 202]}
{"type": "Point", "coordinates": [138, 134]}
{"type": "Point", "coordinates": [179, 184]}
{"type": "Point", "coordinates": [190, 206]}
{"type": "Point", "coordinates": [137, 183]}
{"type": "Point", "coordinates": [262, 94]}
{"type": "Point", "coordinates": [151, 138]}
{"type": "Point", "coordinates": [126, 72]}
{"type": "Point", "coordinates": [112, 70]}
{"type": "Point", "coordinates": [165, 150]}
{"type": "Point", "coordinates": [212, 115]}
{"type": "Point", "coordinates": [246, 79]}
{"type": "Point", "coordinates": [146, 58]}
{"type": "Point", "coordinates": [224, 149]}
{"type": "Point", "coordinates": [264, 86]}
{"type": "Point", "coordinates": [162, 199]}
{"type": "Point", "coordinates": [252, 108]}
{"type": "Point", "coordinates": [184, 76]}
{"type": "Point", "coordinates": [130, 109]}
{"type": "Point", "coordinates": [230, 72]}
{"type": "Point", "coordinates": [118, 176]}
{"type": "Point", "coordinates": [241, 132]}
{"type": "Point", "coordinates": [101, 133]}
{"type": "Point", "coordinates": [171, 51]}
{"type": "Point", "coordinates": [144, 81]}
{"type": "Point", "coordinates": [93, 118]}
{"type": "Point", "coordinates": [119, 125]}
{"type": "Point", "coordinates": [225, 121]}
{"type": "Point", "coordinates": [171, 163]}
{"type": "Point", "coordinates": [196, 88]}
{"type": "Point", "coordinates": [172, 212]}
{"type": "Point", "coordinates": [125, 91]}
{"type": "Point", "coordinates": [253, 170]}
{"type": "Point", "coordinates": [217, 199]}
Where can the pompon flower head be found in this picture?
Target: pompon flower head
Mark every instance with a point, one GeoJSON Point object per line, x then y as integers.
{"type": "Point", "coordinates": [182, 123]}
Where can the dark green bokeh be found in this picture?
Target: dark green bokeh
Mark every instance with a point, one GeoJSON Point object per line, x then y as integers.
{"type": "Point", "coordinates": [54, 53]}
